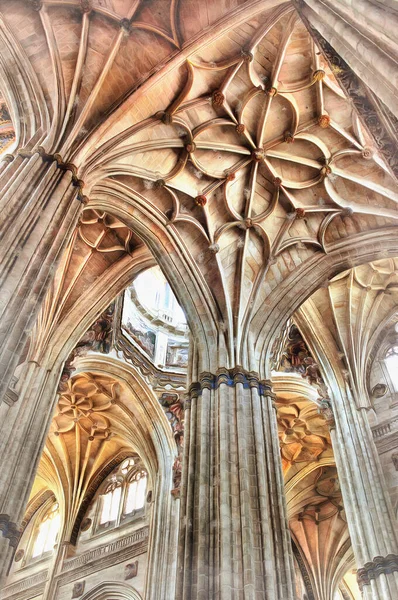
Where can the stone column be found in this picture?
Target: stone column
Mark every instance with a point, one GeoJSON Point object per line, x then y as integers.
{"type": "Point", "coordinates": [23, 432]}
{"type": "Point", "coordinates": [39, 208]}
{"type": "Point", "coordinates": [370, 516]}
{"type": "Point", "coordinates": [234, 541]}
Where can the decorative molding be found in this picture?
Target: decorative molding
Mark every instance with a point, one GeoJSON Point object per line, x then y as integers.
{"type": "Point", "coordinates": [32, 585]}
{"type": "Point", "coordinates": [380, 565]}
{"type": "Point", "coordinates": [155, 377]}
{"type": "Point", "coordinates": [385, 430]}
{"type": "Point", "coordinates": [230, 377]}
{"type": "Point", "coordinates": [103, 556]}
{"type": "Point", "coordinates": [304, 572]}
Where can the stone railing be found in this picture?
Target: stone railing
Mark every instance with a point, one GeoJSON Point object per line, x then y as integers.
{"type": "Point", "coordinates": [379, 431]}
{"type": "Point", "coordinates": [92, 555]}
{"type": "Point", "coordinates": [24, 584]}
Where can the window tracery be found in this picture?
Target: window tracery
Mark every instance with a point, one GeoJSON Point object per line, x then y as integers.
{"type": "Point", "coordinates": [391, 362]}
{"type": "Point", "coordinates": [123, 494]}
{"type": "Point", "coordinates": [46, 533]}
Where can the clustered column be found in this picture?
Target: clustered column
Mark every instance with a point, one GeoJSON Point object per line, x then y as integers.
{"type": "Point", "coordinates": [234, 541]}
{"type": "Point", "coordinates": [370, 516]}
{"type": "Point", "coordinates": [40, 202]}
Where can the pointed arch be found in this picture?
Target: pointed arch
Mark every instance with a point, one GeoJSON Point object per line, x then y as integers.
{"type": "Point", "coordinates": [164, 526]}
{"type": "Point", "coordinates": [112, 590]}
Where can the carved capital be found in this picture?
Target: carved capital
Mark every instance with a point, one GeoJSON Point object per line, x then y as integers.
{"type": "Point", "coordinates": [379, 565]}
{"type": "Point", "coordinates": [326, 411]}
{"type": "Point", "coordinates": [229, 377]}
{"type": "Point", "coordinates": [9, 530]}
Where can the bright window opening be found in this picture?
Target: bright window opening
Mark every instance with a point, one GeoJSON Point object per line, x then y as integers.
{"type": "Point", "coordinates": [136, 492]}
{"type": "Point", "coordinates": [154, 292]}
{"type": "Point", "coordinates": [110, 504]}
{"type": "Point", "coordinates": [392, 365]}
{"type": "Point", "coordinates": [47, 533]}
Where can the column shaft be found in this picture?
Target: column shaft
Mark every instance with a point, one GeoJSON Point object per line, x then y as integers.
{"type": "Point", "coordinates": [234, 540]}
{"type": "Point", "coordinates": [39, 211]}
{"type": "Point", "coordinates": [23, 434]}
{"type": "Point", "coordinates": [370, 516]}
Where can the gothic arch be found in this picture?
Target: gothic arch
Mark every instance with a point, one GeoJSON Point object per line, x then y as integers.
{"type": "Point", "coordinates": [305, 280]}
{"type": "Point", "coordinates": [112, 590]}
{"type": "Point", "coordinates": [188, 285]}
{"type": "Point", "coordinates": [165, 516]}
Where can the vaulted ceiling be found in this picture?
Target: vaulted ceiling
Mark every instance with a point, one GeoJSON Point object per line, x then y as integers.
{"type": "Point", "coordinates": [218, 133]}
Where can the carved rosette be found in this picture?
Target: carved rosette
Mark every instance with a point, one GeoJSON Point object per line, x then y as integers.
{"type": "Point", "coordinates": [81, 405]}
{"type": "Point", "coordinates": [303, 434]}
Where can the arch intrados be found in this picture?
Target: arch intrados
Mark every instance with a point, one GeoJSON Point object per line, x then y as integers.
{"type": "Point", "coordinates": [151, 410]}
{"type": "Point", "coordinates": [196, 299]}
{"type": "Point", "coordinates": [304, 281]}
{"type": "Point", "coordinates": [112, 590]}
{"type": "Point", "coordinates": [90, 305]}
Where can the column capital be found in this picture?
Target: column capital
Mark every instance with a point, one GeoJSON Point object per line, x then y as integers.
{"type": "Point", "coordinates": [326, 410]}
{"type": "Point", "coordinates": [229, 377]}
{"type": "Point", "coordinates": [9, 530]}
{"type": "Point", "coordinates": [379, 565]}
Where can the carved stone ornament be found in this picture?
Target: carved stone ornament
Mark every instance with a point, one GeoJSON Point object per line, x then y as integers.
{"type": "Point", "coordinates": [379, 390]}
{"type": "Point", "coordinates": [303, 435]}
{"type": "Point", "coordinates": [326, 410]}
{"type": "Point", "coordinates": [98, 338]}
{"type": "Point", "coordinates": [131, 570]}
{"type": "Point", "coordinates": [19, 555]}
{"type": "Point", "coordinates": [78, 589]}
{"type": "Point", "coordinates": [378, 566]}
{"type": "Point", "coordinates": [86, 524]}
{"type": "Point", "coordinates": [394, 458]}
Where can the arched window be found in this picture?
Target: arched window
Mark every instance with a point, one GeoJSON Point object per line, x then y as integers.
{"type": "Point", "coordinates": [124, 495]}
{"type": "Point", "coordinates": [136, 492]}
{"type": "Point", "coordinates": [111, 503]}
{"type": "Point", "coordinates": [391, 361]}
{"type": "Point", "coordinates": [47, 532]}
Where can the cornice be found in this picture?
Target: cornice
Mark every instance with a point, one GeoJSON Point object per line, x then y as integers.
{"type": "Point", "coordinates": [104, 556]}
{"type": "Point", "coordinates": [155, 377]}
